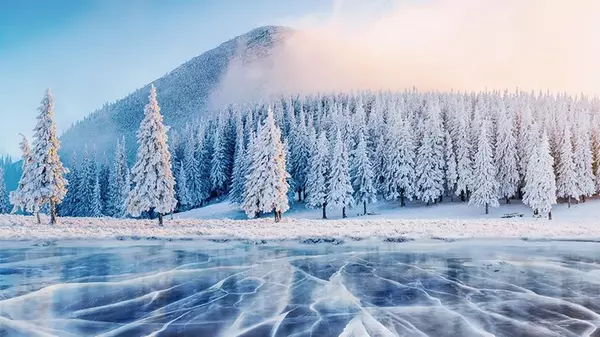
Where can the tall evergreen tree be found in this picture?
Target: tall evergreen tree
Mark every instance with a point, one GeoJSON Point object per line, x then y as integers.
{"type": "Point", "coordinates": [266, 185]}
{"type": "Point", "coordinates": [238, 179]}
{"type": "Point", "coordinates": [463, 151]}
{"type": "Point", "coordinates": [220, 162]}
{"type": "Point", "coordinates": [4, 205]}
{"type": "Point", "coordinates": [96, 202]}
{"type": "Point", "coordinates": [583, 162]}
{"type": "Point", "coordinates": [299, 154]}
{"type": "Point", "coordinates": [450, 167]}
{"type": "Point", "coordinates": [339, 187]}
{"type": "Point", "coordinates": [49, 185]}
{"type": "Point", "coordinates": [430, 163]}
{"type": "Point", "coordinates": [485, 187]}
{"type": "Point", "coordinates": [182, 189]}
{"type": "Point", "coordinates": [316, 186]}
{"type": "Point", "coordinates": [540, 185]}
{"type": "Point", "coordinates": [506, 154]}
{"type": "Point", "coordinates": [566, 178]}
{"type": "Point", "coordinates": [361, 174]}
{"type": "Point", "coordinates": [119, 182]}
{"type": "Point", "coordinates": [23, 197]}
{"type": "Point", "coordinates": [152, 177]}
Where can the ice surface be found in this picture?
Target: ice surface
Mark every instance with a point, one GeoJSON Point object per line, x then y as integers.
{"type": "Point", "coordinates": [352, 288]}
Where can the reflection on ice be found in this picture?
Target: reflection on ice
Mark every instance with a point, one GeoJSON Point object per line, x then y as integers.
{"type": "Point", "coordinates": [368, 288]}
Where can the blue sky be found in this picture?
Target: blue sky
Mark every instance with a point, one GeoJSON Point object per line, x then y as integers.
{"type": "Point", "coordinates": [95, 51]}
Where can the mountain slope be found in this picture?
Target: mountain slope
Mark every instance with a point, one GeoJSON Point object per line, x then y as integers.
{"type": "Point", "coordinates": [183, 93]}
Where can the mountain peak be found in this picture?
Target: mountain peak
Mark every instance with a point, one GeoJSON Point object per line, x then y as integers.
{"type": "Point", "coordinates": [183, 93]}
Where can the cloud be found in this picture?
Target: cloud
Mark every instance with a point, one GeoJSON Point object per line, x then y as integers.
{"type": "Point", "coordinates": [437, 44]}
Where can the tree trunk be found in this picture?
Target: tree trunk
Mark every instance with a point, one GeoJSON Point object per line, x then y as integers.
{"type": "Point", "coordinates": [299, 195]}
{"type": "Point", "coordinates": [364, 208]}
{"type": "Point", "coordinates": [402, 203]}
{"type": "Point", "coordinates": [583, 198]}
{"type": "Point", "coordinates": [277, 216]}
{"type": "Point", "coordinates": [462, 196]}
{"type": "Point", "coordinates": [569, 201]}
{"type": "Point", "coordinates": [487, 208]}
{"type": "Point", "coordinates": [325, 210]}
{"type": "Point", "coordinates": [37, 215]}
{"type": "Point", "coordinates": [160, 219]}
{"type": "Point", "coordinates": [550, 215]}
{"type": "Point", "coordinates": [52, 212]}
{"type": "Point", "coordinates": [344, 213]}
{"type": "Point", "coordinates": [508, 200]}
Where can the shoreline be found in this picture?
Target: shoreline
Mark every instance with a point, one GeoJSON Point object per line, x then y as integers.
{"type": "Point", "coordinates": [24, 228]}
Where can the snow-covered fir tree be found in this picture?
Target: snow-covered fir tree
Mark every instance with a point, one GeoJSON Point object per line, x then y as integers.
{"type": "Point", "coordinates": [429, 163]}
{"type": "Point", "coordinates": [339, 188]}
{"type": "Point", "coordinates": [450, 167]}
{"type": "Point", "coordinates": [238, 178]}
{"type": "Point", "coordinates": [540, 185]}
{"type": "Point", "coordinates": [220, 163]}
{"type": "Point", "coordinates": [299, 154]}
{"type": "Point", "coordinates": [23, 197]}
{"type": "Point", "coordinates": [506, 154]}
{"type": "Point", "coordinates": [4, 205]}
{"type": "Point", "coordinates": [583, 161]}
{"type": "Point", "coordinates": [119, 183]}
{"type": "Point", "coordinates": [266, 186]}
{"type": "Point", "coordinates": [566, 178]}
{"type": "Point", "coordinates": [96, 202]}
{"type": "Point", "coordinates": [361, 173]}
{"type": "Point", "coordinates": [463, 151]}
{"type": "Point", "coordinates": [197, 189]}
{"type": "Point", "coordinates": [485, 186]}
{"type": "Point", "coordinates": [48, 185]}
{"type": "Point", "coordinates": [316, 184]}
{"type": "Point", "coordinates": [182, 191]}
{"type": "Point", "coordinates": [152, 176]}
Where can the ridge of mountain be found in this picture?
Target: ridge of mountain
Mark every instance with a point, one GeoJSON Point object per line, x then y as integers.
{"type": "Point", "coordinates": [183, 94]}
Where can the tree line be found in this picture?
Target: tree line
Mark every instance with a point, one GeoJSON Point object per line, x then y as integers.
{"type": "Point", "coordinates": [337, 151]}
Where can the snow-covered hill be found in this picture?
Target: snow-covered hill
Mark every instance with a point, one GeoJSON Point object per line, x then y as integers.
{"type": "Point", "coordinates": [183, 93]}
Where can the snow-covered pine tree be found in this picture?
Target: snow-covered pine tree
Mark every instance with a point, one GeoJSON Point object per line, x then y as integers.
{"type": "Point", "coordinates": [220, 171]}
{"type": "Point", "coordinates": [316, 186]}
{"type": "Point", "coordinates": [96, 202]}
{"type": "Point", "coordinates": [4, 206]}
{"type": "Point", "coordinates": [464, 167]}
{"type": "Point", "coordinates": [540, 185]}
{"type": "Point", "coordinates": [450, 167]}
{"type": "Point", "coordinates": [238, 179]}
{"type": "Point", "coordinates": [361, 173]}
{"type": "Point", "coordinates": [485, 187]}
{"type": "Point", "coordinates": [203, 155]}
{"type": "Point", "coordinates": [583, 160]}
{"type": "Point", "coordinates": [48, 185]}
{"type": "Point", "coordinates": [506, 154]}
{"type": "Point", "coordinates": [181, 188]}
{"type": "Point", "coordinates": [339, 186]}
{"type": "Point", "coordinates": [119, 184]}
{"type": "Point", "coordinates": [152, 177]}
{"type": "Point", "coordinates": [430, 156]}
{"type": "Point", "coordinates": [23, 197]}
{"type": "Point", "coordinates": [299, 154]}
{"type": "Point", "coordinates": [71, 201]}
{"type": "Point", "coordinates": [566, 179]}
{"type": "Point", "coordinates": [195, 187]}
{"type": "Point", "coordinates": [266, 186]}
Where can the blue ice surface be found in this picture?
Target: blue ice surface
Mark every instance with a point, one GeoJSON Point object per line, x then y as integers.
{"type": "Point", "coordinates": [309, 287]}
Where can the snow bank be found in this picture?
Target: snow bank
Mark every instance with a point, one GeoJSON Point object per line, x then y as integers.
{"type": "Point", "coordinates": [24, 228]}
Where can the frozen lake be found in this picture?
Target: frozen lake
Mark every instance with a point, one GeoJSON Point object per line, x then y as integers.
{"type": "Point", "coordinates": [350, 288]}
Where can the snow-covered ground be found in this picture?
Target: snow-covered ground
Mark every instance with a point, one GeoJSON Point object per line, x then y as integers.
{"type": "Point", "coordinates": [450, 220]}
{"type": "Point", "coordinates": [588, 211]}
